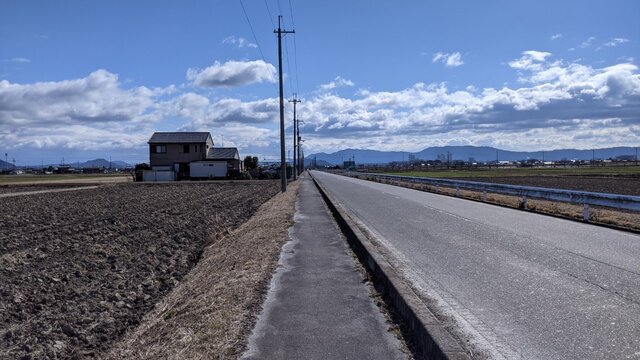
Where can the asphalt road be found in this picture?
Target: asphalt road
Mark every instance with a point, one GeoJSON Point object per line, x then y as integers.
{"type": "Point", "coordinates": [512, 284]}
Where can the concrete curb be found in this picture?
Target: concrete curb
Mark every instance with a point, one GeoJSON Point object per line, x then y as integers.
{"type": "Point", "coordinates": [427, 333]}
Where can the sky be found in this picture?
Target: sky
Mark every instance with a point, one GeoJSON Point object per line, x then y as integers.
{"type": "Point", "coordinates": [87, 79]}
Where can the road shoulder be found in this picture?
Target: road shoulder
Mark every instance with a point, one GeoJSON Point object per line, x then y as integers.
{"type": "Point", "coordinates": [318, 306]}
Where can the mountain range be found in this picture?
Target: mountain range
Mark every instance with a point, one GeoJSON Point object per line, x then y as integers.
{"type": "Point", "coordinates": [5, 165]}
{"type": "Point", "coordinates": [479, 153]}
{"type": "Point", "coordinates": [95, 163]}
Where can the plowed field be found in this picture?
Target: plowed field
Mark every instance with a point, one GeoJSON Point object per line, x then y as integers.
{"type": "Point", "coordinates": [80, 268]}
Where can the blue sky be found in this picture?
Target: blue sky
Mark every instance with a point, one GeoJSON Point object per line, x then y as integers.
{"type": "Point", "coordinates": [86, 79]}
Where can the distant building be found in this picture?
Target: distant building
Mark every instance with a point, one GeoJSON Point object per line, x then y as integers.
{"type": "Point", "coordinates": [174, 151]}
{"type": "Point", "coordinates": [173, 156]}
{"type": "Point", "coordinates": [220, 162]}
{"type": "Point", "coordinates": [349, 164]}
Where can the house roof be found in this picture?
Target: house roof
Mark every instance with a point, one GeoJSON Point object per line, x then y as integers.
{"type": "Point", "coordinates": [181, 137]}
{"type": "Point", "coordinates": [221, 153]}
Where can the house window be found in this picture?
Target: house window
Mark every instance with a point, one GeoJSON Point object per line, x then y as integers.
{"type": "Point", "coordinates": [186, 149]}
{"type": "Point", "coordinates": [195, 147]}
{"type": "Point", "coordinates": [159, 149]}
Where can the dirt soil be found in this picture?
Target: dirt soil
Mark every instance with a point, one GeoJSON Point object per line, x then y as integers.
{"type": "Point", "coordinates": [79, 269]}
{"type": "Point", "coordinates": [210, 314]}
{"type": "Point", "coordinates": [613, 185]}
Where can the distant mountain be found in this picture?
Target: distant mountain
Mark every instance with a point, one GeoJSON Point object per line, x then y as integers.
{"type": "Point", "coordinates": [96, 163]}
{"type": "Point", "coordinates": [5, 165]}
{"type": "Point", "coordinates": [102, 163]}
{"type": "Point", "coordinates": [479, 153]}
{"type": "Point", "coordinates": [310, 162]}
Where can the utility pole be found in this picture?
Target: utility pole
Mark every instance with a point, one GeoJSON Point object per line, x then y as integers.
{"type": "Point", "coordinates": [299, 148]}
{"type": "Point", "coordinates": [283, 164]}
{"type": "Point", "coordinates": [6, 165]}
{"type": "Point", "coordinates": [295, 101]}
{"type": "Point", "coordinates": [300, 153]}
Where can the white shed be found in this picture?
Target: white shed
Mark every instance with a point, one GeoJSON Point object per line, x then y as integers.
{"type": "Point", "coordinates": [208, 169]}
{"type": "Point", "coordinates": [158, 175]}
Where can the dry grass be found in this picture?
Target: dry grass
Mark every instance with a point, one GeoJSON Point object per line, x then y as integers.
{"type": "Point", "coordinates": [212, 311]}
{"type": "Point", "coordinates": [598, 215]}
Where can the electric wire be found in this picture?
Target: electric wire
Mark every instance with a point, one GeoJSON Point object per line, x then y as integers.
{"type": "Point", "coordinates": [254, 35]}
{"type": "Point", "coordinates": [291, 13]}
{"type": "Point", "coordinates": [289, 73]}
{"type": "Point", "coordinates": [255, 38]}
{"type": "Point", "coordinates": [295, 48]}
{"type": "Point", "coordinates": [269, 12]}
{"type": "Point", "coordinates": [295, 63]}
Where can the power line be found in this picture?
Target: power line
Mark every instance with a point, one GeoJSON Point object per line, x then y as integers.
{"type": "Point", "coordinates": [295, 61]}
{"type": "Point", "coordinates": [269, 12]}
{"type": "Point", "coordinates": [252, 32]}
{"type": "Point", "coordinates": [286, 49]}
{"type": "Point", "coordinates": [295, 48]}
{"type": "Point", "coordinates": [291, 13]}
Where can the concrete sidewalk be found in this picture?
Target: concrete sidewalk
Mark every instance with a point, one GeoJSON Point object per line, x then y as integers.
{"type": "Point", "coordinates": [318, 306]}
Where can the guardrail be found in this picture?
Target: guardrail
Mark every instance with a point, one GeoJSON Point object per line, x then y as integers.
{"type": "Point", "coordinates": [585, 198]}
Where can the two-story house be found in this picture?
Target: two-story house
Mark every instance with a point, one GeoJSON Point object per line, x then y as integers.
{"type": "Point", "coordinates": [176, 150]}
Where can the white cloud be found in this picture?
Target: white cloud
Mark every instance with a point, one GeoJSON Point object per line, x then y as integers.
{"type": "Point", "coordinates": [559, 104]}
{"type": "Point", "coordinates": [530, 60]}
{"type": "Point", "coordinates": [206, 113]}
{"type": "Point", "coordinates": [585, 44]}
{"type": "Point", "coordinates": [615, 42]}
{"type": "Point", "coordinates": [240, 42]}
{"type": "Point", "coordinates": [449, 60]}
{"type": "Point", "coordinates": [565, 105]}
{"type": "Point", "coordinates": [18, 60]}
{"type": "Point", "coordinates": [75, 113]}
{"type": "Point", "coordinates": [233, 73]}
{"type": "Point", "coordinates": [337, 82]}
{"type": "Point", "coordinates": [556, 36]}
